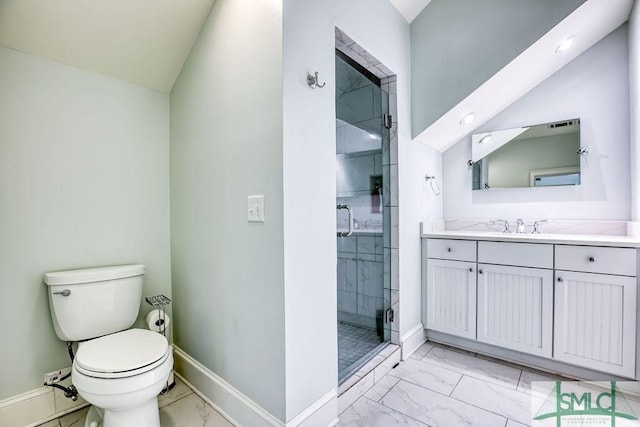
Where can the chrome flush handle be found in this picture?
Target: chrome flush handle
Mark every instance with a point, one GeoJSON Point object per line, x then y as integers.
{"type": "Point", "coordinates": [64, 293]}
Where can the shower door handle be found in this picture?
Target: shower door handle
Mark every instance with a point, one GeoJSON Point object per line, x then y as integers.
{"type": "Point", "coordinates": [350, 232]}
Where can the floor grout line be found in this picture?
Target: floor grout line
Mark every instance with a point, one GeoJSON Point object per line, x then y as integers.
{"type": "Point", "coordinates": [178, 399]}
{"type": "Point", "coordinates": [456, 386]}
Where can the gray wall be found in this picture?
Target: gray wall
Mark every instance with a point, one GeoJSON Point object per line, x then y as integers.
{"type": "Point", "coordinates": [456, 45]}
{"type": "Point", "coordinates": [84, 179]}
{"type": "Point", "coordinates": [593, 87]}
{"type": "Point", "coordinates": [226, 144]}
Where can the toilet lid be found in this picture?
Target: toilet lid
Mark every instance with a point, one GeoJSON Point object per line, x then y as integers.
{"type": "Point", "coordinates": [123, 351]}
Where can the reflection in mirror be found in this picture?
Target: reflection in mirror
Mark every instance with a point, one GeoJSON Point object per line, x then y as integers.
{"type": "Point", "coordinates": [534, 156]}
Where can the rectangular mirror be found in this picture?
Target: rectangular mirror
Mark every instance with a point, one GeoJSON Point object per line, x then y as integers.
{"type": "Point", "coordinates": [533, 156]}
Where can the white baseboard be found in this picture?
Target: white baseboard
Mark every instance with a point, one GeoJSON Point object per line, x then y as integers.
{"type": "Point", "coordinates": [240, 409]}
{"type": "Point", "coordinates": [412, 340]}
{"type": "Point", "coordinates": [323, 412]}
{"type": "Point", "coordinates": [37, 406]}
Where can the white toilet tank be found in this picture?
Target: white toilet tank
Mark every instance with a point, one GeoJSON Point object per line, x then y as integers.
{"type": "Point", "coordinates": [92, 302]}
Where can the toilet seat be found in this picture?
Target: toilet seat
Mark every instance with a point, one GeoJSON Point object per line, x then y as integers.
{"type": "Point", "coordinates": [123, 354]}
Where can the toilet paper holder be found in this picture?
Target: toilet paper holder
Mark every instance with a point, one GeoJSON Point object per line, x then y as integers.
{"type": "Point", "coordinates": [159, 302]}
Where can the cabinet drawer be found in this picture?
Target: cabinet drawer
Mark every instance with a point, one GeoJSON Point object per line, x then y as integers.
{"type": "Point", "coordinates": [591, 259]}
{"type": "Point", "coordinates": [520, 254]}
{"type": "Point", "coordinates": [461, 250]}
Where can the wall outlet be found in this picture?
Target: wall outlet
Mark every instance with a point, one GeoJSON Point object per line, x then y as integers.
{"type": "Point", "coordinates": [255, 207]}
{"type": "Point", "coordinates": [55, 376]}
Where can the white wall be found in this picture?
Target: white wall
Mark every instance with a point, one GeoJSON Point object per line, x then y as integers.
{"type": "Point", "coordinates": [309, 140]}
{"type": "Point", "coordinates": [226, 144]}
{"type": "Point", "coordinates": [593, 87]}
{"type": "Point", "coordinates": [84, 182]}
{"type": "Point", "coordinates": [417, 203]}
{"type": "Point", "coordinates": [309, 204]}
{"type": "Point", "coordinates": [634, 95]}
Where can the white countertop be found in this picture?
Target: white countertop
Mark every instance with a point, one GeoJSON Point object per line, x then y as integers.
{"type": "Point", "coordinates": [567, 239]}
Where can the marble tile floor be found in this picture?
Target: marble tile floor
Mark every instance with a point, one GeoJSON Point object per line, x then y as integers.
{"type": "Point", "coordinates": [440, 386]}
{"type": "Point", "coordinates": [181, 407]}
{"type": "Point", "coordinates": [437, 386]}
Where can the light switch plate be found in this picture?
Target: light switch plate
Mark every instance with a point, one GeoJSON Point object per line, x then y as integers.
{"type": "Point", "coordinates": [255, 206]}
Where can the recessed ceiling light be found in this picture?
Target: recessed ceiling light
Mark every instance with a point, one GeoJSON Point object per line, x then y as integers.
{"type": "Point", "coordinates": [565, 44]}
{"type": "Point", "coordinates": [468, 119]}
{"type": "Point", "coordinates": [486, 139]}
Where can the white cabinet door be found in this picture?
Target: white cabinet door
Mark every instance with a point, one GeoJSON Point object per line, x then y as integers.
{"type": "Point", "coordinates": [595, 321]}
{"type": "Point", "coordinates": [515, 308]}
{"type": "Point", "coordinates": [450, 297]}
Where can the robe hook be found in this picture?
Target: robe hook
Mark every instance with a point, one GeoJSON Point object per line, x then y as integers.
{"type": "Point", "coordinates": [312, 81]}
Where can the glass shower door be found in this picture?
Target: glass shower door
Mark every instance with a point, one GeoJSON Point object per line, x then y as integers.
{"type": "Point", "coordinates": [363, 300]}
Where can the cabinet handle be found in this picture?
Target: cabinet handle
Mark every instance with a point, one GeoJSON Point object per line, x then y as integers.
{"type": "Point", "coordinates": [449, 250]}
{"type": "Point", "coordinates": [560, 280]}
{"type": "Point", "coordinates": [480, 272]}
{"type": "Point", "coordinates": [470, 270]}
{"type": "Point", "coordinates": [592, 259]}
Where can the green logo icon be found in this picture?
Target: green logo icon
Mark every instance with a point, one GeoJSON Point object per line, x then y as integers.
{"type": "Point", "coordinates": [603, 404]}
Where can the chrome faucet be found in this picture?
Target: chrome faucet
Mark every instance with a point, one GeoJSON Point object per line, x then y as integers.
{"type": "Point", "coordinates": [536, 226]}
{"type": "Point", "coordinates": [502, 222]}
{"type": "Point", "coordinates": [519, 226]}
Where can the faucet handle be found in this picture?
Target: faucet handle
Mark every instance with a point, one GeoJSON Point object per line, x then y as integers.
{"type": "Point", "coordinates": [519, 226]}
{"type": "Point", "coordinates": [536, 228]}
{"type": "Point", "coordinates": [502, 222]}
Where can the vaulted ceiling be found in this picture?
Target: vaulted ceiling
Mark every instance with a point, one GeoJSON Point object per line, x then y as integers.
{"type": "Point", "coordinates": [141, 41]}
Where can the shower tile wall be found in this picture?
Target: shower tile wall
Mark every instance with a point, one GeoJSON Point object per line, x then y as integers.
{"type": "Point", "coordinates": [360, 287]}
{"type": "Point", "coordinates": [354, 173]}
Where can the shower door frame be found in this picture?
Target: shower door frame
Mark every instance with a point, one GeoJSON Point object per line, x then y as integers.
{"type": "Point", "coordinates": [390, 206]}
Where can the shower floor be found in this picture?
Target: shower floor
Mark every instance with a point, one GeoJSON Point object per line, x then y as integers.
{"type": "Point", "coordinates": [356, 345]}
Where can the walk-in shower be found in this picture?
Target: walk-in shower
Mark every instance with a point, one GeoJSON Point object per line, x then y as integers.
{"type": "Point", "coordinates": [362, 133]}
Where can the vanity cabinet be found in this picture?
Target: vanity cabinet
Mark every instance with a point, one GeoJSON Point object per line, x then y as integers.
{"type": "Point", "coordinates": [595, 308]}
{"type": "Point", "coordinates": [569, 303]}
{"type": "Point", "coordinates": [515, 296]}
{"type": "Point", "coordinates": [450, 295]}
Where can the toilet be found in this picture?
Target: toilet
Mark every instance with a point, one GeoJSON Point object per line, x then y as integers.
{"type": "Point", "coordinates": [119, 370]}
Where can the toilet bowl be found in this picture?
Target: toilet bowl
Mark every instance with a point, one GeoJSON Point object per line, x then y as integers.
{"type": "Point", "coordinates": [123, 373]}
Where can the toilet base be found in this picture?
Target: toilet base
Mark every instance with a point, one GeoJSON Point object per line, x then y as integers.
{"type": "Point", "coordinates": [95, 417]}
{"type": "Point", "coordinates": [146, 415]}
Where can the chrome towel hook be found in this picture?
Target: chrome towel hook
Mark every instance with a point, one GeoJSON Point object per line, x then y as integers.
{"type": "Point", "coordinates": [435, 185]}
{"type": "Point", "coordinates": [313, 81]}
